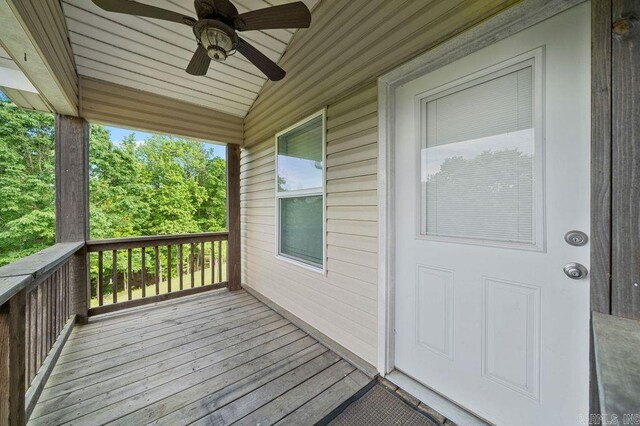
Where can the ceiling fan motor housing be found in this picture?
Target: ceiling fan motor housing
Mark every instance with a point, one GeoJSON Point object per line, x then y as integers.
{"type": "Point", "coordinates": [216, 37]}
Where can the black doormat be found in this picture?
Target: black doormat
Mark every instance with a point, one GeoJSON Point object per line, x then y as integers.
{"type": "Point", "coordinates": [380, 407]}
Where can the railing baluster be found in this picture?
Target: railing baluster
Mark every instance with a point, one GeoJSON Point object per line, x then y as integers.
{"type": "Point", "coordinates": [220, 261]}
{"type": "Point", "coordinates": [169, 268]}
{"type": "Point", "coordinates": [114, 276]}
{"type": "Point", "coordinates": [212, 265]}
{"type": "Point", "coordinates": [144, 272]}
{"type": "Point", "coordinates": [56, 299]}
{"type": "Point", "coordinates": [33, 332]}
{"type": "Point", "coordinates": [191, 266]}
{"type": "Point", "coordinates": [180, 266]}
{"type": "Point", "coordinates": [156, 252]}
{"type": "Point", "coordinates": [67, 295]}
{"type": "Point", "coordinates": [39, 346]}
{"type": "Point", "coordinates": [129, 274]}
{"type": "Point", "coordinates": [45, 318]}
{"type": "Point", "coordinates": [27, 340]}
{"type": "Point", "coordinates": [50, 311]}
{"type": "Point", "coordinates": [201, 264]}
{"type": "Point", "coordinates": [100, 277]}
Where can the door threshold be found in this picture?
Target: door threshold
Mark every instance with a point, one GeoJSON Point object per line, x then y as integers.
{"type": "Point", "coordinates": [438, 402]}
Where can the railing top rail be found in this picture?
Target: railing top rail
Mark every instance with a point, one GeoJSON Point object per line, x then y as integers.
{"type": "Point", "coordinates": [154, 240]}
{"type": "Point", "coordinates": [16, 276]}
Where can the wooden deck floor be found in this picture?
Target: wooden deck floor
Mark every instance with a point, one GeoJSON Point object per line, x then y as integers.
{"type": "Point", "coordinates": [214, 358]}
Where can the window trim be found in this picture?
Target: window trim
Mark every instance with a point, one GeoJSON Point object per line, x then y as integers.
{"type": "Point", "coordinates": [320, 269]}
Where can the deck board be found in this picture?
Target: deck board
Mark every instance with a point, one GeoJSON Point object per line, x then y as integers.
{"type": "Point", "coordinates": [215, 357]}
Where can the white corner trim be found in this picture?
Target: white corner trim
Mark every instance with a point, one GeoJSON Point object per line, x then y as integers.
{"type": "Point", "coordinates": [511, 21]}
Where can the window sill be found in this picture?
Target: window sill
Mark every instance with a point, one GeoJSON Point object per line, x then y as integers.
{"type": "Point", "coordinates": [317, 269]}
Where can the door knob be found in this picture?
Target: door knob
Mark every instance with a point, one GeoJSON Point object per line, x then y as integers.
{"type": "Point", "coordinates": [575, 271]}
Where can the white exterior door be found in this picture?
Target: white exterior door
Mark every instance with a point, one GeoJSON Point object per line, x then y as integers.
{"type": "Point", "coordinates": [492, 158]}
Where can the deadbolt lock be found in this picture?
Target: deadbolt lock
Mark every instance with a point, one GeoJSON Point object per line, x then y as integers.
{"type": "Point", "coordinates": [575, 271]}
{"type": "Point", "coordinates": [576, 238]}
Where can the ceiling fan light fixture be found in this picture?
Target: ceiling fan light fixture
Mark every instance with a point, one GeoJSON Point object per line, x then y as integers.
{"type": "Point", "coordinates": [217, 43]}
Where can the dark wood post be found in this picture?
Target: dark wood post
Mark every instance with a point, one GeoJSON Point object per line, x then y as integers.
{"type": "Point", "coordinates": [72, 203]}
{"type": "Point", "coordinates": [233, 217]}
{"type": "Point", "coordinates": [12, 360]}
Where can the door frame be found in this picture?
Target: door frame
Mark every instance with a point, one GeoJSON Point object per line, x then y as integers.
{"type": "Point", "coordinates": [515, 19]}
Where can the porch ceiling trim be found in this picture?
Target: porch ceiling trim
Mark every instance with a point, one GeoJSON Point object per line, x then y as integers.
{"type": "Point", "coordinates": [110, 103]}
{"type": "Point", "coordinates": [36, 39]}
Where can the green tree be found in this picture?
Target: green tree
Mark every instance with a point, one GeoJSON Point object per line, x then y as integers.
{"type": "Point", "coordinates": [27, 210]}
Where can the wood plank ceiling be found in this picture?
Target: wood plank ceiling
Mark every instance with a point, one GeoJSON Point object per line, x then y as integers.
{"type": "Point", "coordinates": [151, 55]}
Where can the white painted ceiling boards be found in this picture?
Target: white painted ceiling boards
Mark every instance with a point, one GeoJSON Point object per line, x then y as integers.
{"type": "Point", "coordinates": [151, 55]}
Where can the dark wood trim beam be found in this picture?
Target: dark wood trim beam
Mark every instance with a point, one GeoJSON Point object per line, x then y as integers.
{"type": "Point", "coordinates": [601, 156]}
{"type": "Point", "coordinates": [72, 202]}
{"type": "Point", "coordinates": [233, 217]}
{"type": "Point", "coordinates": [600, 177]}
{"type": "Point", "coordinates": [625, 159]}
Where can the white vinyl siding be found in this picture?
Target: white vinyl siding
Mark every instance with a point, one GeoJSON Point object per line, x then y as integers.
{"type": "Point", "coordinates": [342, 303]}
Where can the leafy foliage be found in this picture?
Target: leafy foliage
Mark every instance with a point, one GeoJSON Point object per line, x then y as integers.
{"type": "Point", "coordinates": [162, 185]}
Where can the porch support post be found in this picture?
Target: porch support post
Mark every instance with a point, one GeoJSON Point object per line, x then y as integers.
{"type": "Point", "coordinates": [12, 360]}
{"type": "Point", "coordinates": [233, 217]}
{"type": "Point", "coordinates": [72, 203]}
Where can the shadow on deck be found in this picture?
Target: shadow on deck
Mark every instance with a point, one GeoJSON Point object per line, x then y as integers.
{"type": "Point", "coordinates": [212, 358]}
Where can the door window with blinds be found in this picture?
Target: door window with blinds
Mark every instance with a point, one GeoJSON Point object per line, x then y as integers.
{"type": "Point", "coordinates": [480, 159]}
{"type": "Point", "coordinates": [300, 192]}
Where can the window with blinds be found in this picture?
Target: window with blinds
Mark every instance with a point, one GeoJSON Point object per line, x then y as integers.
{"type": "Point", "coordinates": [477, 159]}
{"type": "Point", "coordinates": [300, 187]}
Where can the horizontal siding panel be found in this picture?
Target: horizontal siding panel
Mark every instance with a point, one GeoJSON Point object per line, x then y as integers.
{"type": "Point", "coordinates": [314, 283]}
{"type": "Point", "coordinates": [351, 104]}
{"type": "Point", "coordinates": [252, 180]}
{"type": "Point", "coordinates": [263, 149]}
{"type": "Point", "coordinates": [354, 271]}
{"type": "Point", "coordinates": [353, 227]}
{"type": "Point", "coordinates": [250, 204]}
{"type": "Point", "coordinates": [246, 171]}
{"type": "Point", "coordinates": [362, 153]}
{"type": "Point", "coordinates": [362, 213]}
{"type": "Point", "coordinates": [363, 123]}
{"type": "Point", "coordinates": [269, 185]}
{"type": "Point", "coordinates": [355, 242]}
{"type": "Point", "coordinates": [361, 183]}
{"type": "Point", "coordinates": [267, 158]}
{"type": "Point", "coordinates": [365, 137]}
{"type": "Point", "coordinates": [264, 253]}
{"type": "Point", "coordinates": [260, 195]}
{"type": "Point", "coordinates": [359, 198]}
{"type": "Point", "coordinates": [357, 257]}
{"type": "Point", "coordinates": [362, 111]}
{"type": "Point", "coordinates": [342, 304]}
{"type": "Point", "coordinates": [361, 168]}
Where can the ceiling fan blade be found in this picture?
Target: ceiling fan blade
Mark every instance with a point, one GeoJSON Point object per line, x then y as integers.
{"type": "Point", "coordinates": [130, 7]}
{"type": "Point", "coordinates": [199, 64]}
{"type": "Point", "coordinates": [290, 15]}
{"type": "Point", "coordinates": [206, 8]}
{"type": "Point", "coordinates": [264, 64]}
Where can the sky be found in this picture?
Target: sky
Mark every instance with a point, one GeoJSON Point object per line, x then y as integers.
{"type": "Point", "coordinates": [119, 134]}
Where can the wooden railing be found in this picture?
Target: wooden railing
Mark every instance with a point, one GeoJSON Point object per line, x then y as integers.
{"type": "Point", "coordinates": [35, 321]}
{"type": "Point", "coordinates": [127, 272]}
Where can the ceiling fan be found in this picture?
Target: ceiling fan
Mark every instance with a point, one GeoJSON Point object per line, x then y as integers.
{"type": "Point", "coordinates": [216, 29]}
